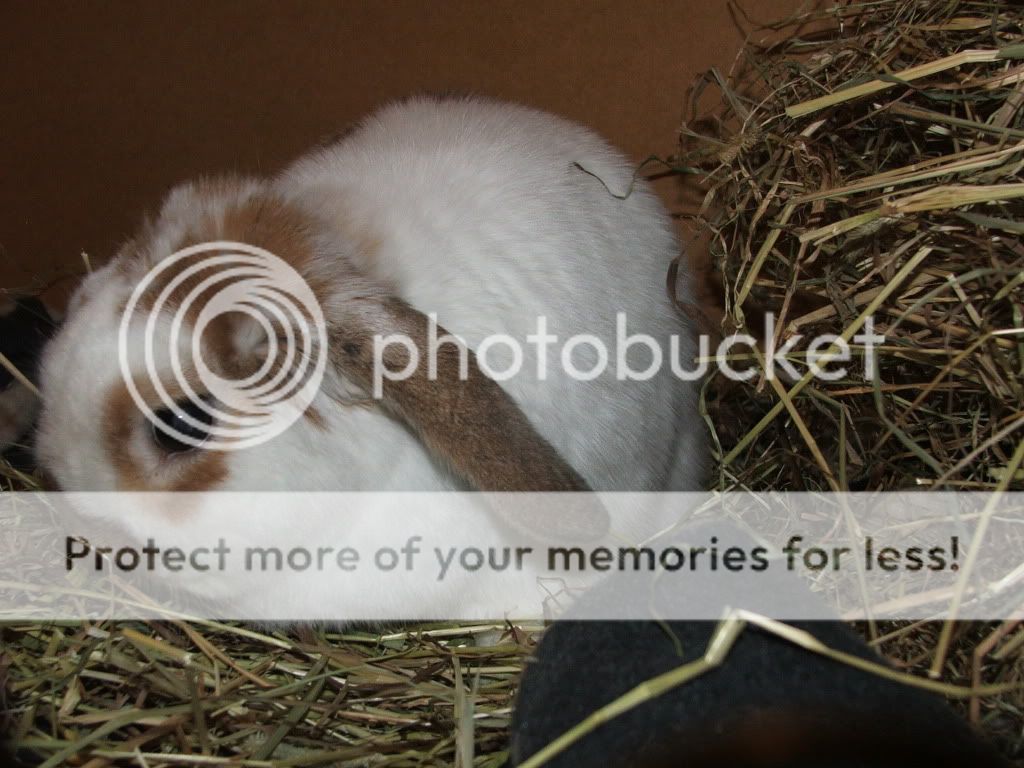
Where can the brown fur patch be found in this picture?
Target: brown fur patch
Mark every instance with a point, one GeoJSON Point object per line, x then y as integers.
{"type": "Point", "coordinates": [313, 416]}
{"type": "Point", "coordinates": [469, 422]}
{"type": "Point", "coordinates": [195, 471]}
{"type": "Point", "coordinates": [262, 221]}
{"type": "Point", "coordinates": [472, 423]}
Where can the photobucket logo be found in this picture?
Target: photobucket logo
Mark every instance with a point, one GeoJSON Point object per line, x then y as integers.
{"type": "Point", "coordinates": [259, 309]}
{"type": "Point", "coordinates": [632, 356]}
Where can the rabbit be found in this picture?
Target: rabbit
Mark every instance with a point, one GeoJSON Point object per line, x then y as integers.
{"type": "Point", "coordinates": [769, 702]}
{"type": "Point", "coordinates": [25, 327]}
{"type": "Point", "coordinates": [485, 214]}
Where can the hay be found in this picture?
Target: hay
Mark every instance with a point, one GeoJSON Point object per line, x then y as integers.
{"type": "Point", "coordinates": [871, 166]}
{"type": "Point", "coordinates": [164, 694]}
{"type": "Point", "coordinates": [869, 162]}
{"type": "Point", "coordinates": [868, 165]}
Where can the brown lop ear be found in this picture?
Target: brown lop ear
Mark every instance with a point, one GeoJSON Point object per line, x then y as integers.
{"type": "Point", "coordinates": [469, 421]}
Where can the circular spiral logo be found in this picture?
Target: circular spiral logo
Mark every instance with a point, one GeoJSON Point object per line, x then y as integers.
{"type": "Point", "coordinates": [272, 317]}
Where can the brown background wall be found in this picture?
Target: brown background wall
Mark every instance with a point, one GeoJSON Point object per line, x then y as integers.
{"type": "Point", "coordinates": [106, 105]}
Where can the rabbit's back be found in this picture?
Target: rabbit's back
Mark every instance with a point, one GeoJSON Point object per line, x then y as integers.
{"type": "Point", "coordinates": [494, 215]}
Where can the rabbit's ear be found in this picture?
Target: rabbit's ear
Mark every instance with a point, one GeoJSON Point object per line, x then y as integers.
{"type": "Point", "coordinates": [463, 417]}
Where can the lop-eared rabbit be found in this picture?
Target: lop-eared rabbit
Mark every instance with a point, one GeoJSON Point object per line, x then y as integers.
{"type": "Point", "coordinates": [492, 221]}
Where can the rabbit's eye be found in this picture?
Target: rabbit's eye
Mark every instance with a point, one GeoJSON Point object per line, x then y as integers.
{"type": "Point", "coordinates": [174, 433]}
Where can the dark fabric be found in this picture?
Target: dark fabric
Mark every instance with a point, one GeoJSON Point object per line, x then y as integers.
{"type": "Point", "coordinates": [8, 759]}
{"type": "Point", "coordinates": [23, 332]}
{"type": "Point", "coordinates": [830, 713]}
{"type": "Point", "coordinates": [21, 458]}
{"type": "Point", "coordinates": [581, 666]}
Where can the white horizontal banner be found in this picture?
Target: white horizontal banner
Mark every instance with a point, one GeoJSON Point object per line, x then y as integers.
{"type": "Point", "coordinates": [346, 557]}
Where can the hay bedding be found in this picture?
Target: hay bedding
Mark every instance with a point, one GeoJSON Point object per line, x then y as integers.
{"type": "Point", "coordinates": [867, 164]}
{"type": "Point", "coordinates": [875, 171]}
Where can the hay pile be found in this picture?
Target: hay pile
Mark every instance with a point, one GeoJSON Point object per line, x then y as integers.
{"type": "Point", "coordinates": [206, 694]}
{"type": "Point", "coordinates": [867, 165]}
{"type": "Point", "coordinates": [870, 165]}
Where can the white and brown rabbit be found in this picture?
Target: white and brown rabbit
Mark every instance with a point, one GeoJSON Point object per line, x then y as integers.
{"type": "Point", "coordinates": [488, 215]}
{"type": "Point", "coordinates": [491, 216]}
